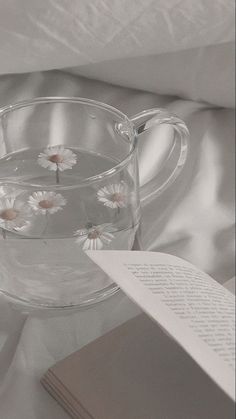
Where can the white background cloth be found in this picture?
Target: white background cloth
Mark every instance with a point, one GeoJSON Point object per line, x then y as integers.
{"type": "Point", "coordinates": [176, 48]}
{"type": "Point", "coordinates": [33, 33]}
{"type": "Point", "coordinates": [194, 219]}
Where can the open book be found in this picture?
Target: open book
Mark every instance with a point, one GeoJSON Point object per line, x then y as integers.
{"type": "Point", "coordinates": [188, 304]}
{"type": "Point", "coordinates": [136, 371]}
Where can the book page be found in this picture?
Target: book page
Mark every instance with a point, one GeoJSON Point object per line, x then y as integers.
{"type": "Point", "coordinates": [191, 306]}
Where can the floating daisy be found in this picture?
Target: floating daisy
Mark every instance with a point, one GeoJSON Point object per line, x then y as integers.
{"type": "Point", "coordinates": [94, 237]}
{"type": "Point", "coordinates": [58, 159]}
{"type": "Point", "coordinates": [14, 214]}
{"type": "Point", "coordinates": [113, 196]}
{"type": "Point", "coordinates": [44, 202]}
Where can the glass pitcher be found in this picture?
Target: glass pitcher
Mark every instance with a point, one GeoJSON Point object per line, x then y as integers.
{"type": "Point", "coordinates": [69, 181]}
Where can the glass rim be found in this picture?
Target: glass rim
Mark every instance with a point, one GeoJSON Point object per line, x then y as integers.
{"type": "Point", "coordinates": [84, 101]}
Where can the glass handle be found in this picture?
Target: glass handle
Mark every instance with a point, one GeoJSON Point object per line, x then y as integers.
{"type": "Point", "coordinates": [177, 154]}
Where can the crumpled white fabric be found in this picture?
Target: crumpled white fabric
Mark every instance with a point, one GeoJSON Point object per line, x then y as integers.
{"type": "Point", "coordinates": [177, 47]}
{"type": "Point", "coordinates": [60, 33]}
{"type": "Point", "coordinates": [204, 74]}
{"type": "Point", "coordinates": [194, 219]}
{"type": "Point", "coordinates": [181, 48]}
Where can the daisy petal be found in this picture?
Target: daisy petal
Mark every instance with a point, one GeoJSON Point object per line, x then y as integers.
{"type": "Point", "coordinates": [87, 244]}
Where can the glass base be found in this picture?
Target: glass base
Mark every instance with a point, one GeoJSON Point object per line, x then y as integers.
{"type": "Point", "coordinates": [82, 302]}
{"type": "Point", "coordinates": [58, 283]}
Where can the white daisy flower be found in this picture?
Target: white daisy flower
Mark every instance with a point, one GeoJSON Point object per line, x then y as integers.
{"type": "Point", "coordinates": [44, 202]}
{"type": "Point", "coordinates": [113, 196]}
{"type": "Point", "coordinates": [14, 214]}
{"type": "Point", "coordinates": [94, 237]}
{"type": "Point", "coordinates": [57, 158]}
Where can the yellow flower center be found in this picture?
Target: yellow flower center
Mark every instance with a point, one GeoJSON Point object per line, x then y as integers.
{"type": "Point", "coordinates": [56, 158]}
{"type": "Point", "coordinates": [117, 197]}
{"type": "Point", "coordinates": [93, 235]}
{"type": "Point", "coordinates": [46, 204]}
{"type": "Point", "coordinates": [9, 214]}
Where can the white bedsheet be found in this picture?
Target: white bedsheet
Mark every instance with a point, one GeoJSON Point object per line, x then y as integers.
{"type": "Point", "coordinates": [194, 219]}
{"type": "Point", "coordinates": [61, 33]}
{"type": "Point", "coordinates": [182, 47]}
